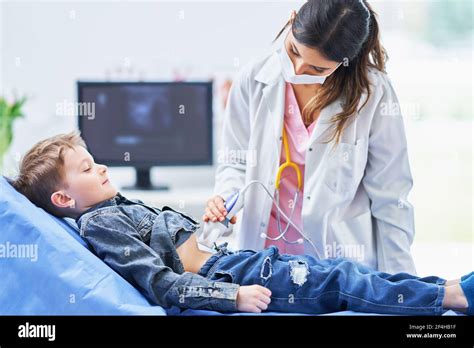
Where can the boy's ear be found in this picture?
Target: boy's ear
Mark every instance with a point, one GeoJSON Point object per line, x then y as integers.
{"type": "Point", "coordinates": [62, 200]}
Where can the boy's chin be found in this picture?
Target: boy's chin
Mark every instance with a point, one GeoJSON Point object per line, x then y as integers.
{"type": "Point", "coordinates": [113, 191]}
{"type": "Point", "coordinates": [109, 191]}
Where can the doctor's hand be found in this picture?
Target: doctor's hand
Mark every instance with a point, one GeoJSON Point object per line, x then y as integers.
{"type": "Point", "coordinates": [215, 210]}
{"type": "Point", "coordinates": [253, 298]}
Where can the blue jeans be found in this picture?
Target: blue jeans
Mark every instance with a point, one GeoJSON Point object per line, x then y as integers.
{"type": "Point", "coordinates": [303, 284]}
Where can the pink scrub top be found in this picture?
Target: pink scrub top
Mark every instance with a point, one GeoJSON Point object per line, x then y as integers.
{"type": "Point", "coordinates": [298, 138]}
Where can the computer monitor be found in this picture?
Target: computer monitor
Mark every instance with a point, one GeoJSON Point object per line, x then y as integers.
{"type": "Point", "coordinates": [146, 124]}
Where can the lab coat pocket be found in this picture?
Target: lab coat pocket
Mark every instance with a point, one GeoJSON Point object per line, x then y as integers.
{"type": "Point", "coordinates": [345, 166]}
{"type": "Point", "coordinates": [353, 238]}
{"type": "Point", "coordinates": [355, 230]}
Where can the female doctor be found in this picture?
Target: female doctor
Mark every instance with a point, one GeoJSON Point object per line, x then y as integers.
{"type": "Point", "coordinates": [323, 101]}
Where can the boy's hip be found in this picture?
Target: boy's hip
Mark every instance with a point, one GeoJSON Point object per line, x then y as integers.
{"type": "Point", "coordinates": [249, 267]}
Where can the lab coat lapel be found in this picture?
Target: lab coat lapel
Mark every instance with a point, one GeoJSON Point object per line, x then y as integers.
{"type": "Point", "coordinates": [274, 96]}
{"type": "Point", "coordinates": [323, 127]}
{"type": "Point", "coordinates": [273, 93]}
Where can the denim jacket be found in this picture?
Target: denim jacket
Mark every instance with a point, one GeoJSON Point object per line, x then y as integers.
{"type": "Point", "coordinates": [139, 242]}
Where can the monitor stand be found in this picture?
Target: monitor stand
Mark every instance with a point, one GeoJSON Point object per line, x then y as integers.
{"type": "Point", "coordinates": [143, 181]}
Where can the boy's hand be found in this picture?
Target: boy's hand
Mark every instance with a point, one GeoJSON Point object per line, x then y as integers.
{"type": "Point", "coordinates": [215, 210]}
{"type": "Point", "coordinates": [253, 298]}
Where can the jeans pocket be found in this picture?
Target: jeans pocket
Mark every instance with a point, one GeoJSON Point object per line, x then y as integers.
{"type": "Point", "coordinates": [345, 166]}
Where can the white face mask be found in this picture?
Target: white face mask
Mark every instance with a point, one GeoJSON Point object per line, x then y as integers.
{"type": "Point", "coordinates": [288, 71]}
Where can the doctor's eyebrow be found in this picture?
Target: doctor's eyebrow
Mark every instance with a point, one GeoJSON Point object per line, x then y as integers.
{"type": "Point", "coordinates": [298, 53]}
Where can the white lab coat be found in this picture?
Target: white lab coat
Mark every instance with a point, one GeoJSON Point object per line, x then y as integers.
{"type": "Point", "coordinates": [355, 198]}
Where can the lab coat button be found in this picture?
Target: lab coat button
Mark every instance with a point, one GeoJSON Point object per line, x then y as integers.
{"type": "Point", "coordinates": [262, 224]}
{"type": "Point", "coordinates": [308, 197]}
{"type": "Point", "coordinates": [310, 149]}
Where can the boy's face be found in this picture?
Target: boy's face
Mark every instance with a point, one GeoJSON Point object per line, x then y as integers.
{"type": "Point", "coordinates": [87, 182]}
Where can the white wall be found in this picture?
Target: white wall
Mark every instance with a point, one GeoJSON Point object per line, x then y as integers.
{"type": "Point", "coordinates": [47, 46]}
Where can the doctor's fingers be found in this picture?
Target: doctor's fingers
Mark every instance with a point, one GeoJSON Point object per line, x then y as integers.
{"type": "Point", "coordinates": [206, 218]}
{"type": "Point", "coordinates": [213, 214]}
{"type": "Point", "coordinates": [213, 208]}
{"type": "Point", "coordinates": [219, 202]}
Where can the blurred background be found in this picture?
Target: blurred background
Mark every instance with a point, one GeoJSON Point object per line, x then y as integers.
{"type": "Point", "coordinates": [46, 47]}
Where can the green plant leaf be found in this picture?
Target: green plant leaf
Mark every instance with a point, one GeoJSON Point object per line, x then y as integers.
{"type": "Point", "coordinates": [15, 108]}
{"type": "Point", "coordinates": [8, 113]}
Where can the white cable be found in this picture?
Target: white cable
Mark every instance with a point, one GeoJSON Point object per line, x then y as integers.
{"type": "Point", "coordinates": [282, 235]}
{"type": "Point", "coordinates": [264, 235]}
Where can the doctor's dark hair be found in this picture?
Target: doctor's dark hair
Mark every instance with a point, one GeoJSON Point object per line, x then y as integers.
{"type": "Point", "coordinates": [343, 31]}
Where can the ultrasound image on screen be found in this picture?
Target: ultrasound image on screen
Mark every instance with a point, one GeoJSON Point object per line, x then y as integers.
{"type": "Point", "coordinates": [163, 123]}
{"type": "Point", "coordinates": [145, 102]}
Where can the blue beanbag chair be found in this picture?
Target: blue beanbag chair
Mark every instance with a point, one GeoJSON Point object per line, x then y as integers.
{"type": "Point", "coordinates": [47, 269]}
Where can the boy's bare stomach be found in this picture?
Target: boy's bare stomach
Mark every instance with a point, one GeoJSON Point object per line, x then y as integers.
{"type": "Point", "coordinates": [191, 257]}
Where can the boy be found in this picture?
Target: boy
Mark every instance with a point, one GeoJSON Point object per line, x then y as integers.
{"type": "Point", "coordinates": [156, 251]}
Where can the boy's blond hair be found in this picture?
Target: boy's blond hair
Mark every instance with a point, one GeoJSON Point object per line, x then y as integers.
{"type": "Point", "coordinates": [42, 170]}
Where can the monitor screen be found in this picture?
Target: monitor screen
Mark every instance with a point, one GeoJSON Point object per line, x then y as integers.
{"type": "Point", "coordinates": [147, 123]}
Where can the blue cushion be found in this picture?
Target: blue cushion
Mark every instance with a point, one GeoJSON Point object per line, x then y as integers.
{"type": "Point", "coordinates": [64, 277]}
{"type": "Point", "coordinates": [46, 267]}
